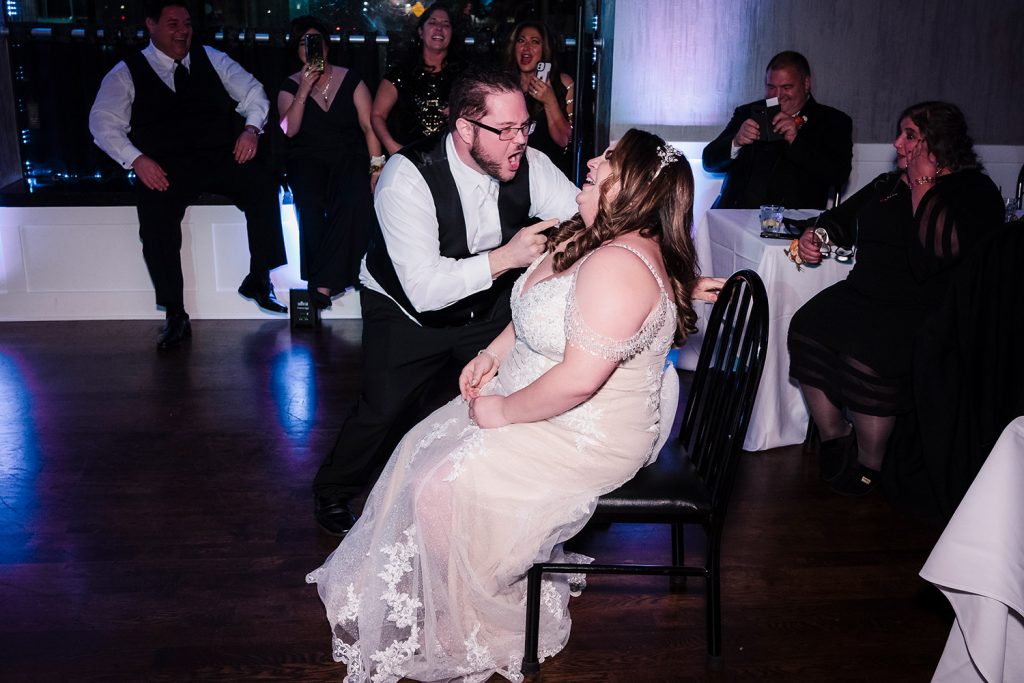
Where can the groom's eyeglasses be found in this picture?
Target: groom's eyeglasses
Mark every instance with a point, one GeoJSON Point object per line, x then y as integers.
{"type": "Point", "coordinates": [507, 133]}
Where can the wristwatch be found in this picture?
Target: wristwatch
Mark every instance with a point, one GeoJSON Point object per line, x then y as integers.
{"type": "Point", "coordinates": [253, 129]}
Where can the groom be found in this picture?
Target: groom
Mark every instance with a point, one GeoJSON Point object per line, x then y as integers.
{"type": "Point", "coordinates": [437, 277]}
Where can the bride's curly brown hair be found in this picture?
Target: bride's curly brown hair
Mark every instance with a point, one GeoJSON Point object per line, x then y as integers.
{"type": "Point", "coordinates": [654, 199]}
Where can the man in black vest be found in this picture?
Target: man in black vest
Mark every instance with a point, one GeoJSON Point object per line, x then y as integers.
{"type": "Point", "coordinates": [808, 152]}
{"type": "Point", "coordinates": [169, 113]}
{"type": "Point", "coordinates": [437, 278]}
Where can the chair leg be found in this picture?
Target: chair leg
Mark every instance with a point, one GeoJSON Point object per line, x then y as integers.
{"type": "Point", "coordinates": [530, 663]}
{"type": "Point", "coordinates": [714, 600]}
{"type": "Point", "coordinates": [678, 554]}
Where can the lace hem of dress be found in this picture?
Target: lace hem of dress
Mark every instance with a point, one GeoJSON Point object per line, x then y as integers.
{"type": "Point", "coordinates": [582, 336]}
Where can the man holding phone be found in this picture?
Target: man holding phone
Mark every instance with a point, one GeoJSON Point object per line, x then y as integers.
{"type": "Point", "coordinates": [787, 149]}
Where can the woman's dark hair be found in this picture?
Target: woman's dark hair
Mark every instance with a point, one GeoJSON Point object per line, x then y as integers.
{"type": "Point", "coordinates": [299, 27]}
{"type": "Point", "coordinates": [547, 39]}
{"type": "Point", "coordinates": [416, 53]}
{"type": "Point", "coordinates": [656, 197]}
{"type": "Point", "coordinates": [944, 128]}
{"type": "Point", "coordinates": [549, 53]}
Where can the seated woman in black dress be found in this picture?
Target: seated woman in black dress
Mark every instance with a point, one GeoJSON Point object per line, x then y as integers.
{"type": "Point", "coordinates": [412, 98]}
{"type": "Point", "coordinates": [325, 113]}
{"type": "Point", "coordinates": [851, 346]}
{"type": "Point", "coordinates": [548, 100]}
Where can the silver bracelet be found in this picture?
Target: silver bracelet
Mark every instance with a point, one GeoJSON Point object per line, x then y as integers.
{"type": "Point", "coordinates": [489, 353]}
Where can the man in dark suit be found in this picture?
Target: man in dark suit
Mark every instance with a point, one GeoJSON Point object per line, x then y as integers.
{"type": "Point", "coordinates": [809, 158]}
{"type": "Point", "coordinates": [170, 113]}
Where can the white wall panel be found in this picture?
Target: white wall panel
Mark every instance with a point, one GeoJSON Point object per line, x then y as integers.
{"type": "Point", "coordinates": [58, 259]}
{"type": "Point", "coordinates": [85, 263]}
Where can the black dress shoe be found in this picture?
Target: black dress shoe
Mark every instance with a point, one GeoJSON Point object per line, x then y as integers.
{"type": "Point", "coordinates": [333, 515]}
{"type": "Point", "coordinates": [177, 329]}
{"type": "Point", "coordinates": [262, 293]}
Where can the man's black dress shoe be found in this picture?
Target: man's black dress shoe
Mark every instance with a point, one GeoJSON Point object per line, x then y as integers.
{"type": "Point", "coordinates": [177, 328]}
{"type": "Point", "coordinates": [262, 293]}
{"type": "Point", "coordinates": [333, 515]}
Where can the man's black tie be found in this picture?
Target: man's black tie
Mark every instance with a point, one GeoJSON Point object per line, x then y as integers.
{"type": "Point", "coordinates": [180, 77]}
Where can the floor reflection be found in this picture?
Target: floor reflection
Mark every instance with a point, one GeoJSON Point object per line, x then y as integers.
{"type": "Point", "coordinates": [19, 460]}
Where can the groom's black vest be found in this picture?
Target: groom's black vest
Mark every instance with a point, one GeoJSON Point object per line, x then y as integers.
{"type": "Point", "coordinates": [430, 157]}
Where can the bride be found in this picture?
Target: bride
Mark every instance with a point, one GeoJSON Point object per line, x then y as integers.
{"type": "Point", "coordinates": [563, 406]}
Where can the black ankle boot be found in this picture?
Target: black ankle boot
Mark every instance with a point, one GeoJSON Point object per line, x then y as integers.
{"type": "Point", "coordinates": [319, 299]}
{"type": "Point", "coordinates": [856, 482]}
{"type": "Point", "coordinates": [834, 455]}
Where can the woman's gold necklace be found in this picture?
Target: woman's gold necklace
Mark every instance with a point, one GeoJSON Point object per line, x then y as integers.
{"type": "Point", "coordinates": [330, 77]}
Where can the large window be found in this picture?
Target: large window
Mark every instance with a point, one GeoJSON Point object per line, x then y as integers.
{"type": "Point", "coordinates": [61, 49]}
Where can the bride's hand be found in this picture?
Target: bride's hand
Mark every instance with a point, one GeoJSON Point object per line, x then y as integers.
{"type": "Point", "coordinates": [488, 412]}
{"type": "Point", "coordinates": [707, 288]}
{"type": "Point", "coordinates": [477, 373]}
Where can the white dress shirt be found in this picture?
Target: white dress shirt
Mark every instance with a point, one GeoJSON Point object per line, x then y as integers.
{"type": "Point", "coordinates": [408, 221]}
{"type": "Point", "coordinates": [111, 114]}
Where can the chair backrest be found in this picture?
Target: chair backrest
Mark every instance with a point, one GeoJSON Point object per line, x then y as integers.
{"type": "Point", "coordinates": [724, 386]}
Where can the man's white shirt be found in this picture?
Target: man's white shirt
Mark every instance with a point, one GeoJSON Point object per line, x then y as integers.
{"type": "Point", "coordinates": [111, 114]}
{"type": "Point", "coordinates": [408, 221]}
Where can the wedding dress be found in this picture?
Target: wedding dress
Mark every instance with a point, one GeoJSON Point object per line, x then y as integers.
{"type": "Point", "coordinates": [430, 583]}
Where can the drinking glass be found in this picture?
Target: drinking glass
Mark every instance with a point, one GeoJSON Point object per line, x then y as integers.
{"type": "Point", "coordinates": [771, 218]}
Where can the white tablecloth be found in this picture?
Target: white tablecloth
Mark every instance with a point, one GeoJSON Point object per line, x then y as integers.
{"type": "Point", "coordinates": [978, 563]}
{"type": "Point", "coordinates": [728, 240]}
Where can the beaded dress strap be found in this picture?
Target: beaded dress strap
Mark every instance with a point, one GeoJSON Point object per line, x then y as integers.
{"type": "Point", "coordinates": [639, 255]}
{"type": "Point", "coordinates": [581, 335]}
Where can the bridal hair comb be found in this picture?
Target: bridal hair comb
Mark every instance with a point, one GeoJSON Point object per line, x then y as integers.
{"type": "Point", "coordinates": [668, 155]}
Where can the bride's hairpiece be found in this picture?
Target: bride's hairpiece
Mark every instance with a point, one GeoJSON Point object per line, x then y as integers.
{"type": "Point", "coordinates": [668, 154]}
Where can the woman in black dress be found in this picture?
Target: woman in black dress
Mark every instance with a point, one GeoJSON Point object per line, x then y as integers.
{"type": "Point", "coordinates": [549, 100]}
{"type": "Point", "coordinates": [851, 346]}
{"type": "Point", "coordinates": [331, 147]}
{"type": "Point", "coordinates": [417, 90]}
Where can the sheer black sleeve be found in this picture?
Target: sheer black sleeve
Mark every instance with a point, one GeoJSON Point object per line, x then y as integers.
{"type": "Point", "coordinates": [950, 218]}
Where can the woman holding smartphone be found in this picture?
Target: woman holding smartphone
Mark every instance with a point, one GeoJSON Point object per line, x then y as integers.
{"type": "Point", "coordinates": [334, 160]}
{"type": "Point", "coordinates": [549, 92]}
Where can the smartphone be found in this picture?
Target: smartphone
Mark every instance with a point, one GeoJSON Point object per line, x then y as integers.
{"type": "Point", "coordinates": [787, 231]}
{"type": "Point", "coordinates": [314, 44]}
{"type": "Point", "coordinates": [763, 113]}
{"type": "Point", "coordinates": [543, 69]}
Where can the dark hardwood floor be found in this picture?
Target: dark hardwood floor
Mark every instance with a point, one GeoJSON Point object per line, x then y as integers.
{"type": "Point", "coordinates": [156, 524]}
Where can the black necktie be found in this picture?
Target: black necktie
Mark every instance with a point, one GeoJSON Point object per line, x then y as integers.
{"type": "Point", "coordinates": [180, 77]}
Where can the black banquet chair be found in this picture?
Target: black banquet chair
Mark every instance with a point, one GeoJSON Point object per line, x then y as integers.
{"type": "Point", "coordinates": [691, 479]}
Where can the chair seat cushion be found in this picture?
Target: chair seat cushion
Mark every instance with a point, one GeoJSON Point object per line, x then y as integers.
{"type": "Point", "coordinates": [669, 487]}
